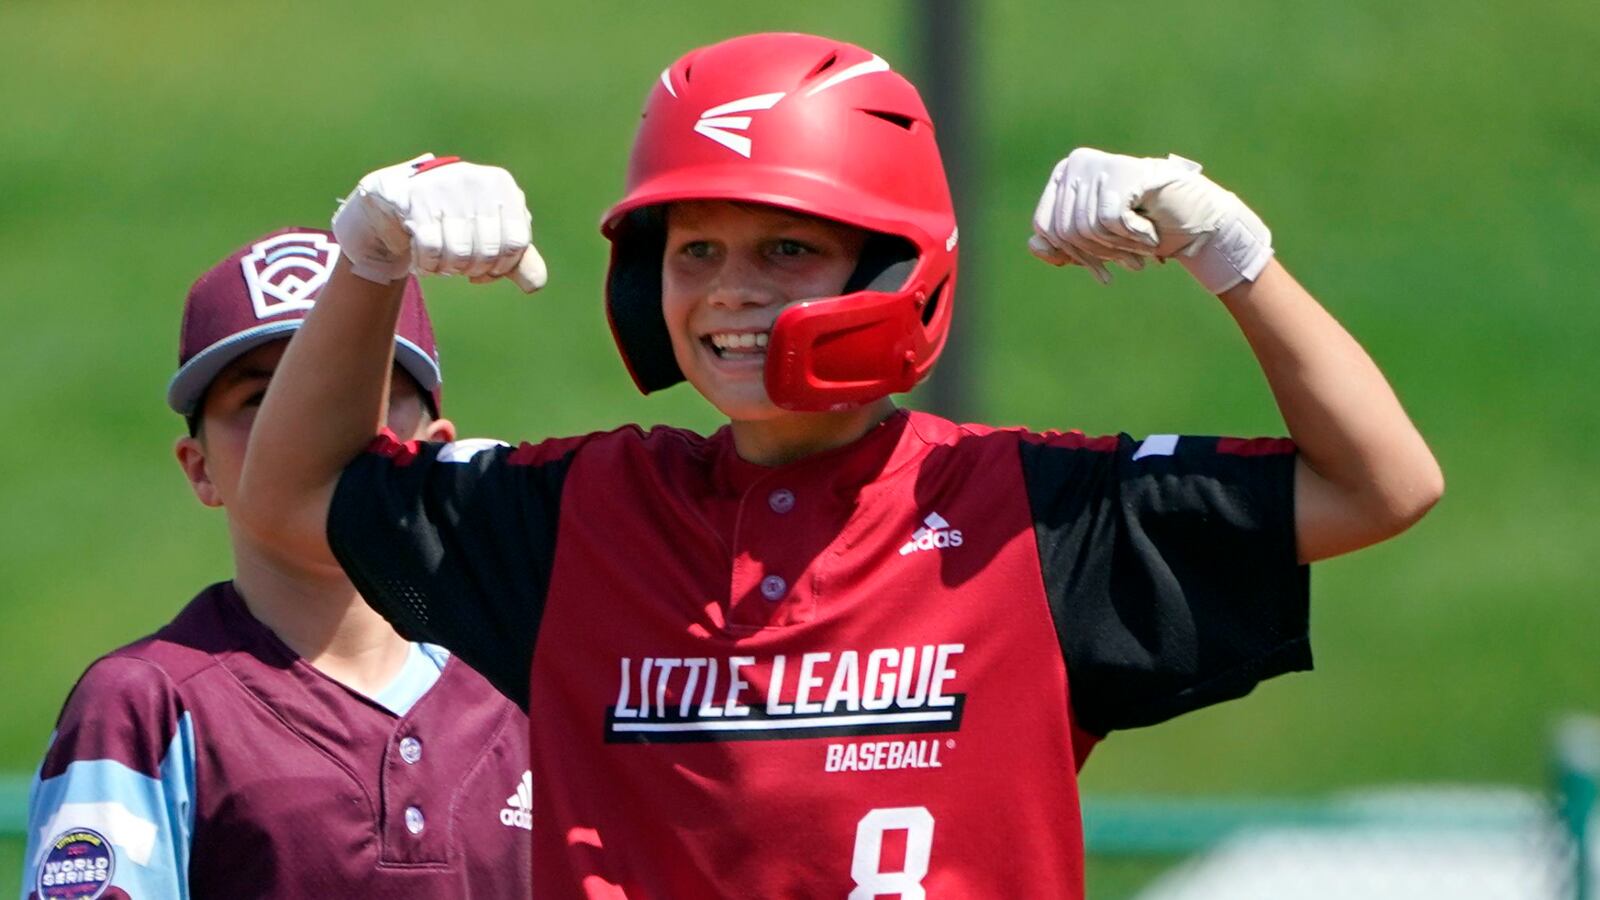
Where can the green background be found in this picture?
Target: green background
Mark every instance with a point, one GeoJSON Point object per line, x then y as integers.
{"type": "Point", "coordinates": [1431, 170]}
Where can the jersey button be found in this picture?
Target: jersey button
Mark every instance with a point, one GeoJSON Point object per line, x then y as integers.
{"type": "Point", "coordinates": [410, 750]}
{"type": "Point", "coordinates": [414, 821]}
{"type": "Point", "coordinates": [773, 588]}
{"type": "Point", "coordinates": [781, 500]}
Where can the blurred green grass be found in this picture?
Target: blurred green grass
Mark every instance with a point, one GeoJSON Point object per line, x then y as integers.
{"type": "Point", "coordinates": [1428, 169]}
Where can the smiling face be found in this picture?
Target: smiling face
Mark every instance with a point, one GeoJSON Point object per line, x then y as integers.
{"type": "Point", "coordinates": [728, 270]}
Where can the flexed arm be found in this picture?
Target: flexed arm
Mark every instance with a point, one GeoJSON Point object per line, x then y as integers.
{"type": "Point", "coordinates": [1364, 473]}
{"type": "Point", "coordinates": [326, 400]}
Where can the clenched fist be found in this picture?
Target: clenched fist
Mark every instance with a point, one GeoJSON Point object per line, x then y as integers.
{"type": "Point", "coordinates": [1102, 207]}
{"type": "Point", "coordinates": [439, 216]}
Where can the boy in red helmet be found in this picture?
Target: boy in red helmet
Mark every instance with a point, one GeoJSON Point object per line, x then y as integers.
{"type": "Point", "coordinates": [835, 647]}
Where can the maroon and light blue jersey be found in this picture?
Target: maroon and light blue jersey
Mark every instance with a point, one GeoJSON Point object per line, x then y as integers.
{"type": "Point", "coordinates": [209, 761]}
{"type": "Point", "coordinates": [874, 672]}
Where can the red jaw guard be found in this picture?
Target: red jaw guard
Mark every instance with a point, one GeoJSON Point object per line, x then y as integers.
{"type": "Point", "coordinates": [845, 351]}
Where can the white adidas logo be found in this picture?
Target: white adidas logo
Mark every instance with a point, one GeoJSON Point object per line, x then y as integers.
{"type": "Point", "coordinates": [936, 534]}
{"type": "Point", "coordinates": [519, 806]}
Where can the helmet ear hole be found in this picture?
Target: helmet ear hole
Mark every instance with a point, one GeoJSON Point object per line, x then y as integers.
{"type": "Point", "coordinates": [886, 262]}
{"type": "Point", "coordinates": [633, 300]}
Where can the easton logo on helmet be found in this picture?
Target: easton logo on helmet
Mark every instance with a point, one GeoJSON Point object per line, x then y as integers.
{"type": "Point", "coordinates": [717, 124]}
{"type": "Point", "coordinates": [285, 272]}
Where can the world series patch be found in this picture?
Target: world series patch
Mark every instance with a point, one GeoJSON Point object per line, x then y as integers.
{"type": "Point", "coordinates": [78, 866]}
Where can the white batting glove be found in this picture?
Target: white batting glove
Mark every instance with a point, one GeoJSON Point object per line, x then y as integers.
{"type": "Point", "coordinates": [439, 216]}
{"type": "Point", "coordinates": [1100, 207]}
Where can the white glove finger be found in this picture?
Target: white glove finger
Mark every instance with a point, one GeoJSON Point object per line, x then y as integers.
{"type": "Point", "coordinates": [486, 239]}
{"type": "Point", "coordinates": [1044, 212]}
{"type": "Point", "coordinates": [531, 273]}
{"type": "Point", "coordinates": [1118, 223]}
{"type": "Point", "coordinates": [1060, 229]}
{"type": "Point", "coordinates": [1140, 227]}
{"type": "Point", "coordinates": [427, 242]}
{"type": "Point", "coordinates": [1046, 251]}
{"type": "Point", "coordinates": [516, 234]}
{"type": "Point", "coordinates": [1101, 273]}
{"type": "Point", "coordinates": [1105, 205]}
{"type": "Point", "coordinates": [457, 245]}
{"type": "Point", "coordinates": [1084, 258]}
{"type": "Point", "coordinates": [1084, 231]}
{"type": "Point", "coordinates": [1056, 244]}
{"type": "Point", "coordinates": [1060, 249]}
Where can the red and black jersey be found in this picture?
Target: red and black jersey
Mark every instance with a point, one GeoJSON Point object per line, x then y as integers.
{"type": "Point", "coordinates": [873, 672]}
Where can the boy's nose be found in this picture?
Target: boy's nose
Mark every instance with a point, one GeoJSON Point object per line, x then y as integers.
{"type": "Point", "coordinates": [738, 286]}
{"type": "Point", "coordinates": [738, 297]}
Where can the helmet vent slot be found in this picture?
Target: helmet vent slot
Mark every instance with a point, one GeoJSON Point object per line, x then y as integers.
{"type": "Point", "coordinates": [905, 122]}
{"type": "Point", "coordinates": [825, 65]}
{"type": "Point", "coordinates": [932, 307]}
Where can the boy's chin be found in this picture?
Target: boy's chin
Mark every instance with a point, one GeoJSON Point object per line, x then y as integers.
{"type": "Point", "coordinates": [749, 409]}
{"type": "Point", "coordinates": [745, 403]}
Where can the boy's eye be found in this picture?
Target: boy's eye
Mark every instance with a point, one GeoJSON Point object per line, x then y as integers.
{"type": "Point", "coordinates": [698, 249]}
{"type": "Point", "coordinates": [789, 247]}
{"type": "Point", "coordinates": [255, 397]}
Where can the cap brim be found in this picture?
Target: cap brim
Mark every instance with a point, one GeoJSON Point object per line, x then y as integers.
{"type": "Point", "coordinates": [189, 385]}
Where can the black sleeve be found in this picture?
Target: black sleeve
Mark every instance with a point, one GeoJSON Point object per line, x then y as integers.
{"type": "Point", "coordinates": [454, 545]}
{"type": "Point", "coordinates": [1170, 568]}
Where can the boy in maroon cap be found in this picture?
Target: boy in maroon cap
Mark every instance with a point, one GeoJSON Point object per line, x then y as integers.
{"type": "Point", "coordinates": [278, 738]}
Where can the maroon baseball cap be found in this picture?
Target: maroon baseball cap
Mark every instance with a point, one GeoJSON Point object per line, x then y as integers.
{"type": "Point", "coordinates": [261, 292]}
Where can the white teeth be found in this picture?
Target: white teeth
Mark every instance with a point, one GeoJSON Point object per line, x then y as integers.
{"type": "Point", "coordinates": [742, 341]}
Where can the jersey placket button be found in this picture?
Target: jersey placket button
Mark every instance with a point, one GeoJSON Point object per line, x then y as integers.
{"type": "Point", "coordinates": [414, 822]}
{"type": "Point", "coordinates": [410, 750]}
{"type": "Point", "coordinates": [781, 501]}
{"type": "Point", "coordinates": [773, 588]}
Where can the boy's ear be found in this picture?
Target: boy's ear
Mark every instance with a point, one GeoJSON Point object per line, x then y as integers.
{"type": "Point", "coordinates": [440, 430]}
{"type": "Point", "coordinates": [191, 455]}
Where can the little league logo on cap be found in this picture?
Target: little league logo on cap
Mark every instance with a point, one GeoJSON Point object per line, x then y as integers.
{"type": "Point", "coordinates": [261, 293]}
{"type": "Point", "coordinates": [285, 272]}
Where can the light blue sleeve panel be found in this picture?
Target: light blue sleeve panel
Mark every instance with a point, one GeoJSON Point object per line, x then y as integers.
{"type": "Point", "coordinates": [100, 818]}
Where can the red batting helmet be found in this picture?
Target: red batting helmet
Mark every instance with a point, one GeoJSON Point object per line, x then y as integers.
{"type": "Point", "coordinates": [816, 126]}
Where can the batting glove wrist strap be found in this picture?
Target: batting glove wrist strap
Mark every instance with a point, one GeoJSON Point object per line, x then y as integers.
{"type": "Point", "coordinates": [1219, 239]}
{"type": "Point", "coordinates": [370, 224]}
